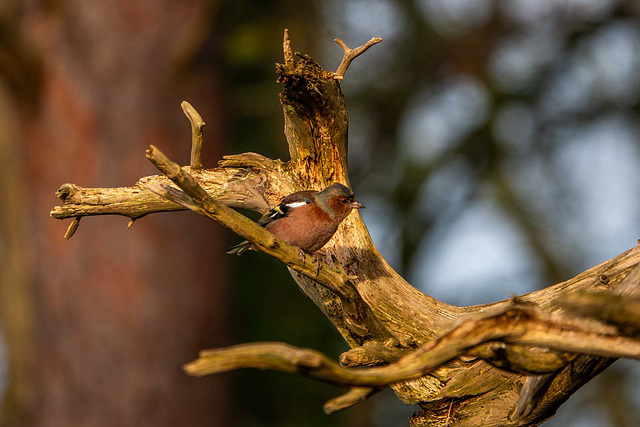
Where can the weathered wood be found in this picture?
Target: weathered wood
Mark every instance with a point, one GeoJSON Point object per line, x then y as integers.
{"type": "Point", "coordinates": [234, 186]}
{"type": "Point", "coordinates": [357, 315]}
{"type": "Point", "coordinates": [400, 332]}
{"type": "Point", "coordinates": [517, 324]}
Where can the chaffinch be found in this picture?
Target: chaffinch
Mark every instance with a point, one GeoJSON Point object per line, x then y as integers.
{"type": "Point", "coordinates": [307, 219]}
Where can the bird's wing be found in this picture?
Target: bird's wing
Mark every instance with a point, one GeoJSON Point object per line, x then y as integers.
{"type": "Point", "coordinates": [292, 201]}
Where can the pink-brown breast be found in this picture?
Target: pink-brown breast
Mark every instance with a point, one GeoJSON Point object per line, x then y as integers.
{"type": "Point", "coordinates": [307, 227]}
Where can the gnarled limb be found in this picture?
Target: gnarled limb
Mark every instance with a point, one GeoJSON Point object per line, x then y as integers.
{"type": "Point", "coordinates": [399, 331]}
{"type": "Point", "coordinates": [516, 324]}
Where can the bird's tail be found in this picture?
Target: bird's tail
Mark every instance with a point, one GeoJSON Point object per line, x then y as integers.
{"type": "Point", "coordinates": [240, 248]}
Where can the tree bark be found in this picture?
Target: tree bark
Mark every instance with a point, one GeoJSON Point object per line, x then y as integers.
{"type": "Point", "coordinates": [97, 317]}
{"type": "Point", "coordinates": [510, 363]}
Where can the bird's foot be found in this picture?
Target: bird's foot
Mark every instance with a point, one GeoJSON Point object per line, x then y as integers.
{"type": "Point", "coordinates": [316, 256]}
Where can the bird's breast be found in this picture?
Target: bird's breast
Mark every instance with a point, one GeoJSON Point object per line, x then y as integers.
{"type": "Point", "coordinates": [305, 228]}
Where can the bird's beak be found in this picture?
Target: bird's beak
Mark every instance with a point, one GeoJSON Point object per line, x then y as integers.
{"type": "Point", "coordinates": [356, 205]}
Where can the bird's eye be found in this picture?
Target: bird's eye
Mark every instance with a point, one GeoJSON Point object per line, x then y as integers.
{"type": "Point", "coordinates": [345, 201]}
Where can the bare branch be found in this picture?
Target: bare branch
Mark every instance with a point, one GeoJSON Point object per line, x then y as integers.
{"type": "Point", "coordinates": [350, 398]}
{"type": "Point", "coordinates": [516, 325]}
{"type": "Point", "coordinates": [351, 54]}
{"type": "Point", "coordinates": [197, 138]}
{"type": "Point", "coordinates": [133, 202]}
{"type": "Point", "coordinates": [250, 160]}
{"type": "Point", "coordinates": [270, 355]}
{"type": "Point", "coordinates": [234, 186]}
{"type": "Point", "coordinates": [199, 201]}
{"type": "Point", "coordinates": [540, 391]}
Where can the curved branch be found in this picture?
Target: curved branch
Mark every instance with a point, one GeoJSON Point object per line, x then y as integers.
{"type": "Point", "coordinates": [197, 124]}
{"type": "Point", "coordinates": [505, 328]}
{"type": "Point", "coordinates": [518, 324]}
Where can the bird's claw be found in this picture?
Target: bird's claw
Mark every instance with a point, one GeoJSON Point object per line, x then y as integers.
{"type": "Point", "coordinates": [316, 256]}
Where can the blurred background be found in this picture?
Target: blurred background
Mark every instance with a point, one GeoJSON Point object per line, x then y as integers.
{"type": "Point", "coordinates": [496, 145]}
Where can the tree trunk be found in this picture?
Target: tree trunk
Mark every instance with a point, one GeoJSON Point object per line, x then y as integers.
{"type": "Point", "coordinates": [105, 320]}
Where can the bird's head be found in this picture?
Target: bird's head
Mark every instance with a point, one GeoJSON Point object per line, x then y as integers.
{"type": "Point", "coordinates": [338, 200]}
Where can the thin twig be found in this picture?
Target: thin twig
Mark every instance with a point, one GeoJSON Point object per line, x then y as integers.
{"type": "Point", "coordinates": [351, 54]}
{"type": "Point", "coordinates": [350, 398]}
{"type": "Point", "coordinates": [197, 138]}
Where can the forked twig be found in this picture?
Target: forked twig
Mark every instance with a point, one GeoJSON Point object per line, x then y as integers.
{"type": "Point", "coordinates": [351, 54]}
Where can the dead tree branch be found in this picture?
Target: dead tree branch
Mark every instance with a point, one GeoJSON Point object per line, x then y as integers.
{"type": "Point", "coordinates": [455, 362]}
{"type": "Point", "coordinates": [351, 54]}
{"type": "Point", "coordinates": [195, 198]}
{"type": "Point", "coordinates": [517, 324]}
{"type": "Point", "coordinates": [197, 124]}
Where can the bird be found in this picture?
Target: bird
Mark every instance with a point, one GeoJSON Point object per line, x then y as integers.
{"type": "Point", "coordinates": [306, 219]}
